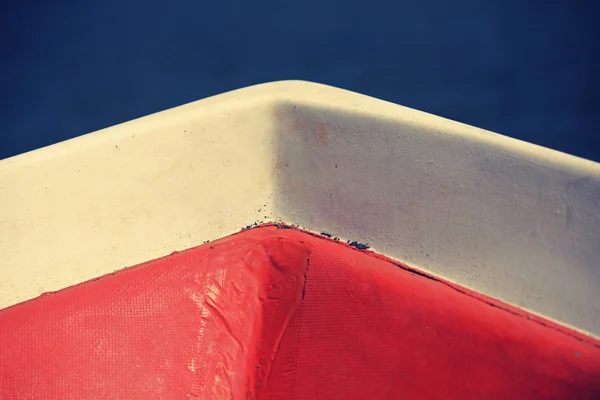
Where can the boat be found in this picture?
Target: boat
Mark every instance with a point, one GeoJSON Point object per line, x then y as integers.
{"type": "Point", "coordinates": [293, 240]}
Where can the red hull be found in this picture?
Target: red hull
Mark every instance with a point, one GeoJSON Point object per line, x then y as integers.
{"type": "Point", "coordinates": [273, 313]}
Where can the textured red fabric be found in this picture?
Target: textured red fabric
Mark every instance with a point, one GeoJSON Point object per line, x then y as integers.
{"type": "Point", "coordinates": [182, 327]}
{"type": "Point", "coordinates": [274, 313]}
{"type": "Point", "coordinates": [370, 329]}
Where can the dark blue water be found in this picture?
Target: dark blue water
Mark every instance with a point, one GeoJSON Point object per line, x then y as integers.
{"type": "Point", "coordinates": [527, 69]}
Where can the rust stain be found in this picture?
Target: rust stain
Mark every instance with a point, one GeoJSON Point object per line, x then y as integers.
{"type": "Point", "coordinates": [321, 133]}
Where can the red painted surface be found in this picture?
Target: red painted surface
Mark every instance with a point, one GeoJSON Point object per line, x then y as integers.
{"type": "Point", "coordinates": [279, 314]}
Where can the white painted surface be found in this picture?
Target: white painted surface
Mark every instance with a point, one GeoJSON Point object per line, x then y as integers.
{"type": "Point", "coordinates": [515, 221]}
{"type": "Point", "coordinates": [132, 193]}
